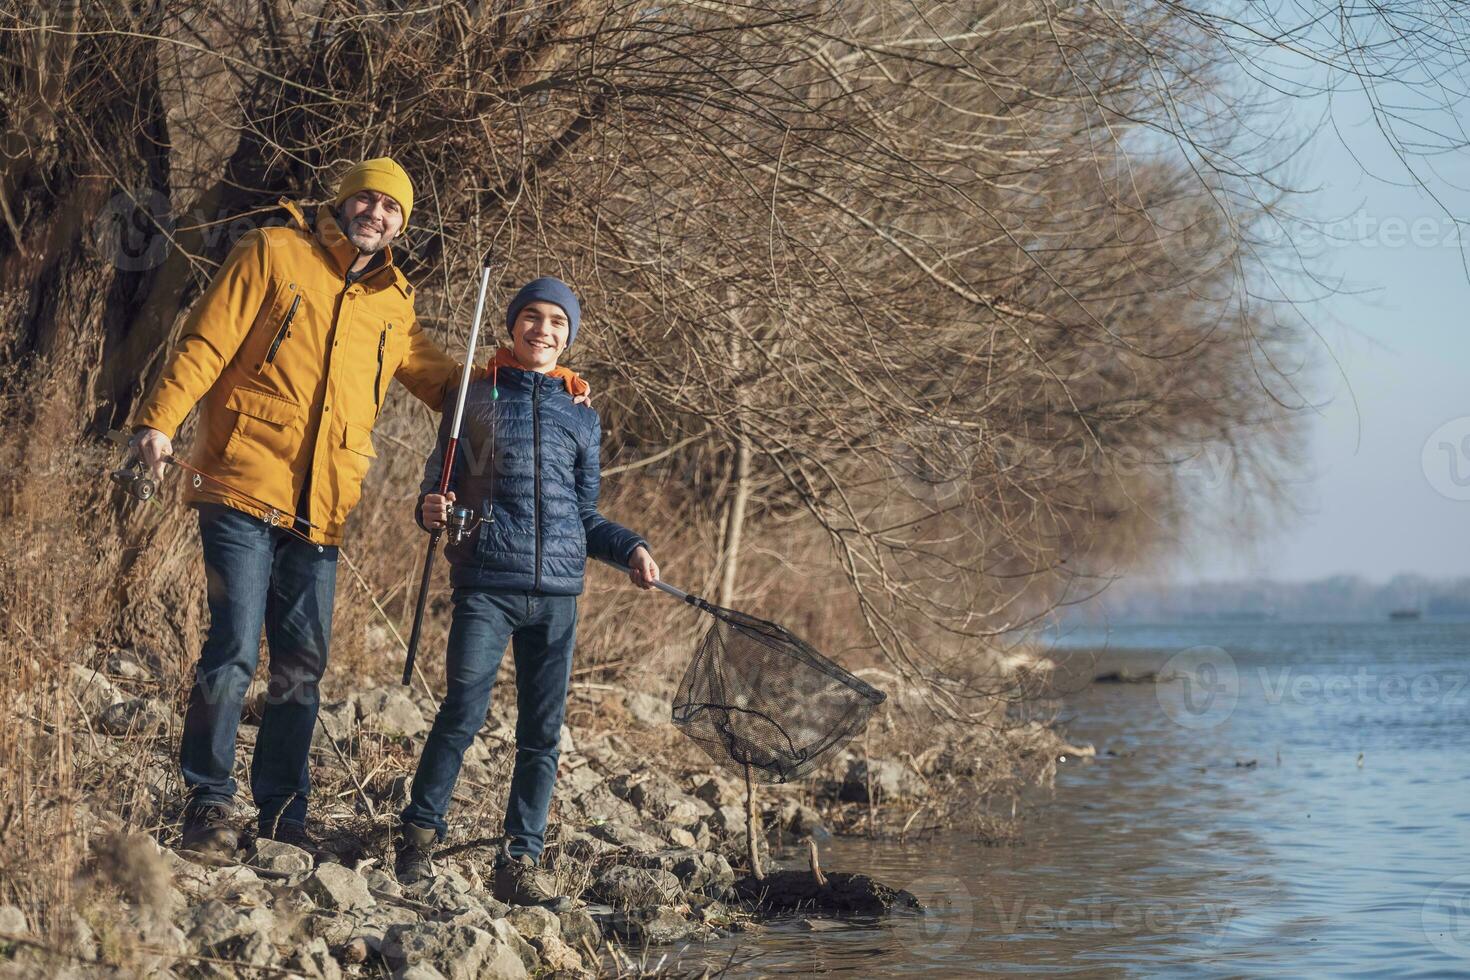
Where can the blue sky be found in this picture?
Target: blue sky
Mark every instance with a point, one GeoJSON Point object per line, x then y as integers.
{"type": "Point", "coordinates": [1374, 502]}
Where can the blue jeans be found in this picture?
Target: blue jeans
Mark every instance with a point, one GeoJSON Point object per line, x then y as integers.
{"type": "Point", "coordinates": [258, 575]}
{"type": "Point", "coordinates": [542, 630]}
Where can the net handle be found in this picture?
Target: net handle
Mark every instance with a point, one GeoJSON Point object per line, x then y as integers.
{"type": "Point", "coordinates": [658, 584]}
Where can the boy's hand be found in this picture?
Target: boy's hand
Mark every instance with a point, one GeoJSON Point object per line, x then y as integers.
{"type": "Point", "coordinates": [435, 510]}
{"type": "Point", "coordinates": [644, 570]}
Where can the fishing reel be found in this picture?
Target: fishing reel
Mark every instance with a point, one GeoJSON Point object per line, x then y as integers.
{"type": "Point", "coordinates": [460, 524]}
{"type": "Point", "coordinates": [135, 481]}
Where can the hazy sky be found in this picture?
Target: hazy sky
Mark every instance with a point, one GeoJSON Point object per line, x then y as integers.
{"type": "Point", "coordinates": [1377, 501]}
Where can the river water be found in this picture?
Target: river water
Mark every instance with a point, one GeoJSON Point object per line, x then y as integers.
{"type": "Point", "coordinates": [1296, 802]}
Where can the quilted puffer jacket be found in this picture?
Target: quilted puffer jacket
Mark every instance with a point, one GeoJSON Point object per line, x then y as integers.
{"type": "Point", "coordinates": [528, 464]}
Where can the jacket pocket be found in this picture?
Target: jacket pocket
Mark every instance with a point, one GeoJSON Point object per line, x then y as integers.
{"type": "Point", "coordinates": [251, 408]}
{"type": "Point", "coordinates": [358, 439]}
{"type": "Point", "coordinates": [350, 466]}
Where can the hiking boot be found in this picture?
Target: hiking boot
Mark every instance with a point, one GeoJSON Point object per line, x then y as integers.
{"type": "Point", "coordinates": [412, 849]}
{"type": "Point", "coordinates": [209, 829]}
{"type": "Point", "coordinates": [519, 882]}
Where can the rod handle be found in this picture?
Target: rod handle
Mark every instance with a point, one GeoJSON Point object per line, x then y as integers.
{"type": "Point", "coordinates": [418, 611]}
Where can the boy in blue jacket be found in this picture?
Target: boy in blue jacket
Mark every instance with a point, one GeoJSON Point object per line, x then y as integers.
{"type": "Point", "coordinates": [527, 468]}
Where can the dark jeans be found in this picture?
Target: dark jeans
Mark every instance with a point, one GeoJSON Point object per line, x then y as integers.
{"type": "Point", "coordinates": [257, 575]}
{"type": "Point", "coordinates": [542, 630]}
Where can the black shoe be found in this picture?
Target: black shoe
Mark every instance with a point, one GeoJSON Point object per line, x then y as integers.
{"type": "Point", "coordinates": [519, 882]}
{"type": "Point", "coordinates": [293, 833]}
{"type": "Point", "coordinates": [209, 829]}
{"type": "Point", "coordinates": [412, 849]}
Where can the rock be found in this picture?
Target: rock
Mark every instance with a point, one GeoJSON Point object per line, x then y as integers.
{"type": "Point", "coordinates": [333, 928]}
{"type": "Point", "coordinates": [702, 871]}
{"type": "Point", "coordinates": [579, 780]}
{"type": "Point", "coordinates": [315, 960]}
{"type": "Point", "coordinates": [626, 836]}
{"type": "Point", "coordinates": [728, 821]}
{"type": "Point", "coordinates": [719, 792]}
{"type": "Point", "coordinates": [356, 950]}
{"type": "Point", "coordinates": [273, 855]}
{"type": "Point", "coordinates": [78, 934]}
{"type": "Point", "coordinates": [680, 836]}
{"type": "Point", "coordinates": [124, 665]}
{"type": "Point", "coordinates": [807, 822]}
{"type": "Point", "coordinates": [647, 709]}
{"type": "Point", "coordinates": [447, 890]}
{"type": "Point", "coordinates": [565, 745]}
{"type": "Point", "coordinates": [382, 881]}
{"type": "Point", "coordinates": [391, 710]}
{"type": "Point", "coordinates": [214, 923]}
{"type": "Point", "coordinates": [655, 926]}
{"type": "Point", "coordinates": [585, 847]}
{"type": "Point", "coordinates": [890, 781]}
{"type": "Point", "coordinates": [557, 957]}
{"type": "Point", "coordinates": [235, 884]}
{"type": "Point", "coordinates": [578, 927]}
{"type": "Point", "coordinates": [340, 719]}
{"type": "Point", "coordinates": [656, 795]}
{"type": "Point", "coordinates": [419, 971]}
{"type": "Point", "coordinates": [599, 805]}
{"type": "Point", "coordinates": [624, 886]}
{"type": "Point", "coordinates": [13, 921]}
{"type": "Point", "coordinates": [506, 933]}
{"type": "Point", "coordinates": [799, 820]}
{"type": "Point", "coordinates": [533, 921]}
{"type": "Point", "coordinates": [706, 872]}
{"type": "Point", "coordinates": [92, 689]}
{"type": "Point", "coordinates": [334, 887]}
{"type": "Point", "coordinates": [456, 952]}
{"type": "Point", "coordinates": [137, 716]}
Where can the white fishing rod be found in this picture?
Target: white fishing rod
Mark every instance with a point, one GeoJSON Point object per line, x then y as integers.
{"type": "Point", "coordinates": [444, 474]}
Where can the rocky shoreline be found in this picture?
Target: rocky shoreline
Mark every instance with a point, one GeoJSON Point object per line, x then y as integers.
{"type": "Point", "coordinates": [645, 835]}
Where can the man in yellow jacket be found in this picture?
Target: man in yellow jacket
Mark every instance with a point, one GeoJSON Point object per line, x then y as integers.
{"type": "Point", "coordinates": [290, 351]}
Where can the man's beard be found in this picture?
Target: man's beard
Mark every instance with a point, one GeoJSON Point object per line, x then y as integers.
{"type": "Point", "coordinates": [363, 239]}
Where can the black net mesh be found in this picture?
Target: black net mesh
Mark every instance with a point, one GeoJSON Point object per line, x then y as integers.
{"type": "Point", "coordinates": [755, 694]}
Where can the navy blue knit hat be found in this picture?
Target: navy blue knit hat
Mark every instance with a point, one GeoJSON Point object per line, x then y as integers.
{"type": "Point", "coordinates": [547, 289]}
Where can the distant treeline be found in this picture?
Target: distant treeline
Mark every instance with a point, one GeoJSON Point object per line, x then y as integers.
{"type": "Point", "coordinates": [1334, 597]}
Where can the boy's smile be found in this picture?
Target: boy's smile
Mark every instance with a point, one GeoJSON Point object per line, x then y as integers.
{"type": "Point", "coordinates": [539, 335]}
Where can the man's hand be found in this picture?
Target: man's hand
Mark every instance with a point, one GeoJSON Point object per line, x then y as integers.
{"type": "Point", "coordinates": [585, 398]}
{"type": "Point", "coordinates": [151, 446]}
{"type": "Point", "coordinates": [643, 569]}
{"type": "Point", "coordinates": [435, 510]}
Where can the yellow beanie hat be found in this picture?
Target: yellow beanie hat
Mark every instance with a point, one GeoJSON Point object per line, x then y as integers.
{"type": "Point", "coordinates": [380, 174]}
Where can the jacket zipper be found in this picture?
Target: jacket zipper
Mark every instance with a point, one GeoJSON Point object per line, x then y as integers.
{"type": "Point", "coordinates": [494, 437]}
{"type": "Point", "coordinates": [378, 381]}
{"type": "Point", "coordinates": [536, 468]}
{"type": "Point", "coordinates": [284, 332]}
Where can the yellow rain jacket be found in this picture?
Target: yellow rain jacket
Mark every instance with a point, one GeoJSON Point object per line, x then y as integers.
{"type": "Point", "coordinates": [292, 366]}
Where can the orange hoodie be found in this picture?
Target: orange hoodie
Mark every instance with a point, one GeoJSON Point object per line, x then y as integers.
{"type": "Point", "coordinates": [504, 358]}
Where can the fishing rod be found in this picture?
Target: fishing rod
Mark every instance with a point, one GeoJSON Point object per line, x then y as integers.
{"type": "Point", "coordinates": [457, 518]}
{"type": "Point", "coordinates": [138, 484]}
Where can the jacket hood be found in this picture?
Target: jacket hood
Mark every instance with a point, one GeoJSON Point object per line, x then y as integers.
{"type": "Point", "coordinates": [505, 359]}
